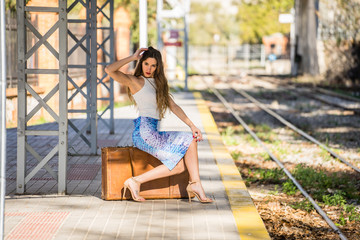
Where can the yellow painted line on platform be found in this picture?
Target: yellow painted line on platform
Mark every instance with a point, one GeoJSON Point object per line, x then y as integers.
{"type": "Point", "coordinates": [248, 221]}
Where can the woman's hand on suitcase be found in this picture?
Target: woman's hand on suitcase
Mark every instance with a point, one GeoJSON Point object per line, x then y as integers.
{"type": "Point", "coordinates": [196, 134]}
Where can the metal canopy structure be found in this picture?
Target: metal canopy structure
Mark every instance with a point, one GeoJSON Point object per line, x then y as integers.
{"type": "Point", "coordinates": [25, 152]}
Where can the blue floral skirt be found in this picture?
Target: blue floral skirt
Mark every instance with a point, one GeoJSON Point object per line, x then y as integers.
{"type": "Point", "coordinates": [168, 146]}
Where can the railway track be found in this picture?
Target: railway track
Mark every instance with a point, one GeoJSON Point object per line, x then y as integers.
{"type": "Point", "coordinates": [342, 101]}
{"type": "Point", "coordinates": [279, 163]}
{"type": "Point", "coordinates": [294, 128]}
{"type": "Point", "coordinates": [350, 97]}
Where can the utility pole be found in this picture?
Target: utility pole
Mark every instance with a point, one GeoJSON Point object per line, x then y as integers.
{"type": "Point", "coordinates": [143, 23]}
{"type": "Point", "coordinates": [159, 7]}
{"type": "Point", "coordinates": [2, 120]}
{"type": "Point", "coordinates": [291, 18]}
{"type": "Point", "coordinates": [292, 43]}
{"type": "Point", "coordinates": [186, 40]}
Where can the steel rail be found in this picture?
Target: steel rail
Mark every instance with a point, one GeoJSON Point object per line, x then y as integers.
{"type": "Point", "coordinates": [307, 93]}
{"type": "Point", "coordinates": [318, 89]}
{"type": "Point", "coordinates": [291, 177]}
{"type": "Point", "coordinates": [294, 87]}
{"type": "Point", "coordinates": [290, 125]}
{"type": "Point", "coordinates": [336, 94]}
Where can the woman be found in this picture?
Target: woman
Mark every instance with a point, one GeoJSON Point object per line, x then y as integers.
{"type": "Point", "coordinates": [149, 88]}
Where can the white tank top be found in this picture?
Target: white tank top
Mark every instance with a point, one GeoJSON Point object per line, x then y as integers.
{"type": "Point", "coordinates": [145, 99]}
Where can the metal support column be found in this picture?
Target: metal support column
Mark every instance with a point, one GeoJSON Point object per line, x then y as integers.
{"type": "Point", "coordinates": [293, 42]}
{"type": "Point", "coordinates": [21, 125]}
{"type": "Point", "coordinates": [93, 77]}
{"type": "Point", "coordinates": [186, 40]}
{"type": "Point", "coordinates": [112, 58]}
{"type": "Point", "coordinates": [159, 7]}
{"type": "Point", "coordinates": [88, 70]}
{"type": "Point", "coordinates": [2, 119]}
{"type": "Point", "coordinates": [23, 145]}
{"type": "Point", "coordinates": [106, 47]}
{"type": "Point", "coordinates": [63, 96]}
{"type": "Point", "coordinates": [90, 82]}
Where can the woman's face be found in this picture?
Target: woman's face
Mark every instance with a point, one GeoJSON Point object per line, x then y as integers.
{"type": "Point", "coordinates": [149, 67]}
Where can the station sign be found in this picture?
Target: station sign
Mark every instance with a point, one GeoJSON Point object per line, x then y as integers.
{"type": "Point", "coordinates": [174, 44]}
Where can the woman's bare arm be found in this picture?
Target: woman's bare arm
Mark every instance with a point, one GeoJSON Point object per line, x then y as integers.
{"type": "Point", "coordinates": [177, 110]}
{"type": "Point", "coordinates": [122, 78]}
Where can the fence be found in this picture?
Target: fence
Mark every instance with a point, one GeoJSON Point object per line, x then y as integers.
{"type": "Point", "coordinates": [225, 60]}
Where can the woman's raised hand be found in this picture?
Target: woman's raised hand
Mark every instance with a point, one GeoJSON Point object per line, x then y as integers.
{"type": "Point", "coordinates": [138, 53]}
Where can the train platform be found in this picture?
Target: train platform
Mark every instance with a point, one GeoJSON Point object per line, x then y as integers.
{"type": "Point", "coordinates": [82, 214]}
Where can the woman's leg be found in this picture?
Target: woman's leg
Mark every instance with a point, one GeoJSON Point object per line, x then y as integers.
{"type": "Point", "coordinates": [160, 172]}
{"type": "Point", "coordinates": [192, 164]}
{"type": "Point", "coordinates": [155, 173]}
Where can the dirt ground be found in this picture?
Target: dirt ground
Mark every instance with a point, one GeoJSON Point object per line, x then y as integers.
{"type": "Point", "coordinates": [334, 127]}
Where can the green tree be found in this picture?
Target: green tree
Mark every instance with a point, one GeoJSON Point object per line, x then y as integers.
{"type": "Point", "coordinates": [208, 20]}
{"type": "Point", "coordinates": [260, 18]}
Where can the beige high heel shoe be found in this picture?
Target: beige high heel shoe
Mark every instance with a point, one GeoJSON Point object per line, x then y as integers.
{"type": "Point", "coordinates": [127, 186]}
{"type": "Point", "coordinates": [190, 190]}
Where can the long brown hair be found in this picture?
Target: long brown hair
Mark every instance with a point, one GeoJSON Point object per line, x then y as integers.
{"type": "Point", "coordinates": [162, 87]}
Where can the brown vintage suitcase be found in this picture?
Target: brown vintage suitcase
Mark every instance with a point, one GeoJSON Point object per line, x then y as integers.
{"type": "Point", "coordinates": [120, 163]}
